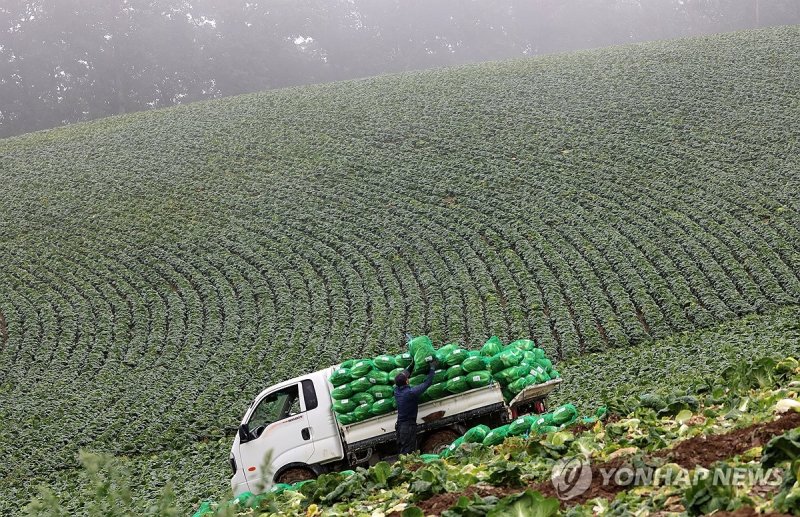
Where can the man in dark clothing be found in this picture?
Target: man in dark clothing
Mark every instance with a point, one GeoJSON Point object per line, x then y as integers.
{"type": "Point", "coordinates": [407, 399]}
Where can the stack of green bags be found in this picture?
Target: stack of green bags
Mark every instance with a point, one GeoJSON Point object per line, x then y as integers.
{"type": "Point", "coordinates": [518, 365]}
{"type": "Point", "coordinates": [527, 425]}
{"type": "Point", "coordinates": [364, 388]}
{"type": "Point", "coordinates": [458, 370]}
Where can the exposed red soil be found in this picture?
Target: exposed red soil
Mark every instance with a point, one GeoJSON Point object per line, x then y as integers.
{"type": "Point", "coordinates": [439, 503]}
{"type": "Point", "coordinates": [705, 450]}
{"type": "Point", "coordinates": [414, 467]}
{"type": "Point", "coordinates": [698, 451]}
{"type": "Point", "coordinates": [597, 488]}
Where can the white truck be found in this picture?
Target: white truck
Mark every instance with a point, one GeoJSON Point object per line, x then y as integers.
{"type": "Point", "coordinates": [294, 421]}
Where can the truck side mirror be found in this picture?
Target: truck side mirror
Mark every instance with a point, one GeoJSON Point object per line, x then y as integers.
{"type": "Point", "coordinates": [244, 433]}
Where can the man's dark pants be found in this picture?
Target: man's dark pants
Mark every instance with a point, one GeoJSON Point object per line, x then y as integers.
{"type": "Point", "coordinates": [406, 437]}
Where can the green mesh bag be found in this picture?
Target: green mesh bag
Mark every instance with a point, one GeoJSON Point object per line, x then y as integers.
{"type": "Point", "coordinates": [348, 364]}
{"type": "Point", "coordinates": [382, 406]}
{"type": "Point", "coordinates": [496, 436]}
{"type": "Point", "coordinates": [360, 384]}
{"type": "Point", "coordinates": [542, 377]}
{"type": "Point", "coordinates": [544, 419]}
{"type": "Point", "coordinates": [381, 392]}
{"type": "Point", "coordinates": [507, 395]}
{"type": "Point", "coordinates": [345, 419]}
{"type": "Point", "coordinates": [505, 359]}
{"type": "Point", "coordinates": [456, 357]}
{"type": "Point", "coordinates": [529, 358]}
{"type": "Point", "coordinates": [385, 363]}
{"type": "Point", "coordinates": [521, 425]}
{"type": "Point", "coordinates": [492, 347]}
{"type": "Point", "coordinates": [457, 385]}
{"type": "Point", "coordinates": [439, 376]}
{"type": "Point", "coordinates": [361, 368]}
{"type": "Point", "coordinates": [569, 422]}
{"type": "Point", "coordinates": [523, 344]}
{"type": "Point", "coordinates": [546, 429]}
{"type": "Point", "coordinates": [417, 380]}
{"type": "Point", "coordinates": [477, 434]}
{"type": "Point", "coordinates": [437, 391]}
{"type": "Point", "coordinates": [539, 353]}
{"type": "Point", "coordinates": [340, 376]}
{"type": "Point", "coordinates": [443, 353]}
{"type": "Point", "coordinates": [565, 413]}
{"type": "Point", "coordinates": [378, 377]}
{"type": "Point", "coordinates": [344, 406]}
{"type": "Point", "coordinates": [418, 342]}
{"type": "Point", "coordinates": [518, 385]}
{"type": "Point", "coordinates": [363, 398]}
{"type": "Point", "coordinates": [473, 364]}
{"type": "Point", "coordinates": [278, 488]}
{"type": "Point", "coordinates": [507, 376]}
{"type": "Point", "coordinates": [554, 374]}
{"type": "Point", "coordinates": [422, 359]}
{"type": "Point", "coordinates": [394, 373]}
{"type": "Point", "coordinates": [474, 353]}
{"type": "Point", "coordinates": [403, 360]}
{"type": "Point", "coordinates": [362, 412]}
{"type": "Point", "coordinates": [452, 447]}
{"type": "Point", "coordinates": [545, 363]}
{"type": "Point", "coordinates": [453, 372]}
{"type": "Point", "coordinates": [478, 379]}
{"type": "Point", "coordinates": [342, 392]}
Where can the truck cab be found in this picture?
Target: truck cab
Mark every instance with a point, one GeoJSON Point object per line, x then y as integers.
{"type": "Point", "coordinates": [294, 423]}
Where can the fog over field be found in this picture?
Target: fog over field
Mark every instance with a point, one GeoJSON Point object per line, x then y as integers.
{"type": "Point", "coordinates": [68, 61]}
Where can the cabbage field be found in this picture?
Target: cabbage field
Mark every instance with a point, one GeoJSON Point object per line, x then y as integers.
{"type": "Point", "coordinates": [633, 210]}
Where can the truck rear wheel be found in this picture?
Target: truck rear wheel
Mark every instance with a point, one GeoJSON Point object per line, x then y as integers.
{"type": "Point", "coordinates": [294, 475]}
{"type": "Point", "coordinates": [437, 441]}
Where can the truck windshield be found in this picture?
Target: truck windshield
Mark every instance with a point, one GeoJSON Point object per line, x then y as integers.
{"type": "Point", "coordinates": [275, 406]}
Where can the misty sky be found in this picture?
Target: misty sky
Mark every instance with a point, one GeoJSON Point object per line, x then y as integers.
{"type": "Point", "coordinates": [64, 61]}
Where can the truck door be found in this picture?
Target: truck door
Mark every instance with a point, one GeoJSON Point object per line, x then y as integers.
{"type": "Point", "coordinates": [279, 423]}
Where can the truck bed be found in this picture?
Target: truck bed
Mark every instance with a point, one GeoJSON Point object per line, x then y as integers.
{"type": "Point", "coordinates": [485, 398]}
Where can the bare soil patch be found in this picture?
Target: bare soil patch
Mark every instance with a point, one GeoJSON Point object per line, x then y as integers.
{"type": "Point", "coordinates": [698, 451]}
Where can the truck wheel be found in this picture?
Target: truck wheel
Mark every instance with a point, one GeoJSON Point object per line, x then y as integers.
{"type": "Point", "coordinates": [294, 475]}
{"type": "Point", "coordinates": [438, 441]}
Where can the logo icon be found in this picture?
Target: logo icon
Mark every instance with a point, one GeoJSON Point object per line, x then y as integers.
{"type": "Point", "coordinates": [571, 477]}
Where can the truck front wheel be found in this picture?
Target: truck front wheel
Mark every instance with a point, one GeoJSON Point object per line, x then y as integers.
{"type": "Point", "coordinates": [294, 475]}
{"type": "Point", "coordinates": [438, 441]}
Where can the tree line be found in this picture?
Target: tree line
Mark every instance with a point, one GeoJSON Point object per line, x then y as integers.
{"type": "Point", "coordinates": [64, 61]}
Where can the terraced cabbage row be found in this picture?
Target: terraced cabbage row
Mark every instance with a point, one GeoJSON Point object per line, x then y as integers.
{"type": "Point", "coordinates": [160, 269]}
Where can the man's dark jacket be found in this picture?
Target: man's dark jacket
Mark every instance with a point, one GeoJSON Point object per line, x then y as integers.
{"type": "Point", "coordinates": [407, 399]}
